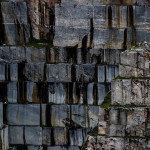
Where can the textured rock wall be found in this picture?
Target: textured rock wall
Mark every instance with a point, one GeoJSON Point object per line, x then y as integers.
{"type": "Point", "coordinates": [51, 96]}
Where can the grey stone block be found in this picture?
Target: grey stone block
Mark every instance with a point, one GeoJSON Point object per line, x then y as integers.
{"type": "Point", "coordinates": [92, 116]}
{"type": "Point", "coordinates": [103, 90]}
{"type": "Point", "coordinates": [2, 72]}
{"type": "Point", "coordinates": [13, 72]}
{"type": "Point", "coordinates": [58, 72]}
{"type": "Point", "coordinates": [144, 33]}
{"type": "Point", "coordinates": [4, 138]}
{"type": "Point", "coordinates": [56, 148]}
{"type": "Point", "coordinates": [57, 93]}
{"type": "Point", "coordinates": [35, 148]}
{"type": "Point", "coordinates": [57, 55]}
{"type": "Point", "coordinates": [12, 92]}
{"type": "Point", "coordinates": [76, 137]}
{"type": "Point", "coordinates": [142, 19]}
{"type": "Point", "coordinates": [106, 38]}
{"type": "Point", "coordinates": [1, 114]}
{"type": "Point", "coordinates": [85, 72]}
{"type": "Point", "coordinates": [116, 97]}
{"type": "Point", "coordinates": [23, 114]}
{"type": "Point", "coordinates": [60, 114]}
{"type": "Point", "coordinates": [32, 92]}
{"type": "Point", "coordinates": [33, 135]}
{"type": "Point", "coordinates": [34, 71]}
{"type": "Point", "coordinates": [70, 16]}
{"type": "Point", "coordinates": [60, 136]}
{"type": "Point", "coordinates": [79, 115]}
{"type": "Point", "coordinates": [16, 135]}
{"type": "Point", "coordinates": [71, 36]}
{"type": "Point", "coordinates": [73, 148]}
{"type": "Point", "coordinates": [46, 136]}
{"type": "Point", "coordinates": [34, 54]}
{"type": "Point", "coordinates": [12, 13]}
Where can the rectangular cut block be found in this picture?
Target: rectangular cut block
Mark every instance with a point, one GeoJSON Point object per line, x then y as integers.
{"type": "Point", "coordinates": [72, 36]}
{"type": "Point", "coordinates": [79, 115]}
{"type": "Point", "coordinates": [23, 114]}
{"type": "Point", "coordinates": [76, 137]}
{"type": "Point", "coordinates": [142, 19]}
{"type": "Point", "coordinates": [13, 72]}
{"type": "Point", "coordinates": [92, 116]}
{"type": "Point", "coordinates": [125, 122]}
{"type": "Point", "coordinates": [116, 92]}
{"type": "Point", "coordinates": [1, 114]}
{"type": "Point", "coordinates": [119, 143]}
{"type": "Point", "coordinates": [58, 55]}
{"type": "Point", "coordinates": [57, 93]}
{"type": "Point", "coordinates": [4, 141]}
{"type": "Point", "coordinates": [130, 72]}
{"type": "Point", "coordinates": [58, 72]}
{"type": "Point", "coordinates": [71, 16]}
{"type": "Point", "coordinates": [12, 53]}
{"type": "Point", "coordinates": [16, 135]}
{"type": "Point", "coordinates": [129, 59]}
{"type": "Point", "coordinates": [130, 92]}
{"type": "Point", "coordinates": [60, 115]}
{"type": "Point", "coordinates": [141, 39]}
{"type": "Point", "coordinates": [33, 135]}
{"type": "Point", "coordinates": [85, 72]}
{"type": "Point", "coordinates": [34, 92]}
{"type": "Point", "coordinates": [106, 38]}
{"type": "Point", "coordinates": [107, 73]}
{"type": "Point", "coordinates": [34, 71]}
{"type": "Point", "coordinates": [46, 136]}
{"type": "Point", "coordinates": [60, 136]}
{"type": "Point", "coordinates": [34, 54]}
{"type": "Point", "coordinates": [15, 13]}
{"type": "Point", "coordinates": [35, 148]}
{"type": "Point", "coordinates": [73, 148]}
{"type": "Point", "coordinates": [56, 148]}
{"type": "Point", "coordinates": [102, 2]}
{"type": "Point", "coordinates": [110, 16]}
{"type": "Point", "coordinates": [2, 72]}
{"type": "Point", "coordinates": [12, 92]}
{"type": "Point", "coordinates": [103, 89]}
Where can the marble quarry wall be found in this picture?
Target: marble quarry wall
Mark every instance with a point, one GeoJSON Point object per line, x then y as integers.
{"type": "Point", "coordinates": [50, 96]}
{"type": "Point", "coordinates": [124, 124]}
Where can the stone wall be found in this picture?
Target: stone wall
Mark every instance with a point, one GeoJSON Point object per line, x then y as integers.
{"type": "Point", "coordinates": [51, 96]}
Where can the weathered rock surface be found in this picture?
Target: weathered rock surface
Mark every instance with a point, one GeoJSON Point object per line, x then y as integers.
{"type": "Point", "coordinates": [127, 91]}
{"type": "Point", "coordinates": [109, 143]}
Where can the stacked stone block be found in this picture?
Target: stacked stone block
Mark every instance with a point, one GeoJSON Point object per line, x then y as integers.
{"type": "Point", "coordinates": [125, 124]}
{"type": "Point", "coordinates": [52, 95]}
{"type": "Point", "coordinates": [101, 24]}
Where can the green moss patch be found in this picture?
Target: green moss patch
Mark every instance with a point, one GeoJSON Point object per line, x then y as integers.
{"type": "Point", "coordinates": [39, 43]}
{"type": "Point", "coordinates": [132, 78]}
{"type": "Point", "coordinates": [107, 101]}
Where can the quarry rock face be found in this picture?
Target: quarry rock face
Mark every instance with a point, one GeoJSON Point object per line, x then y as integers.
{"type": "Point", "coordinates": [124, 124]}
{"type": "Point", "coordinates": [58, 59]}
